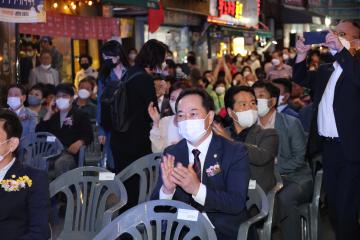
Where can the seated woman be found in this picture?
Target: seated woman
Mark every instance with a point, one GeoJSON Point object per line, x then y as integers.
{"type": "Point", "coordinates": [164, 131]}
{"type": "Point", "coordinates": [35, 100]}
{"type": "Point", "coordinates": [262, 144]}
{"type": "Point", "coordinates": [24, 191]}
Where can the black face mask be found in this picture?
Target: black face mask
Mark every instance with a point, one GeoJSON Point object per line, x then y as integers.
{"type": "Point", "coordinates": [84, 66]}
{"type": "Point", "coordinates": [106, 67]}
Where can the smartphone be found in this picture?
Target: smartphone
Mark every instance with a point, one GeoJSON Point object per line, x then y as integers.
{"type": "Point", "coordinates": [315, 37]}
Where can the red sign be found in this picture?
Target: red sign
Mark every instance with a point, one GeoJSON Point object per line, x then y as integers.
{"type": "Point", "coordinates": [75, 27]}
{"type": "Point", "coordinates": [231, 8]}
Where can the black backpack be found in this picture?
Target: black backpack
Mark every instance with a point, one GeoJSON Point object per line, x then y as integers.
{"type": "Point", "coordinates": [114, 105]}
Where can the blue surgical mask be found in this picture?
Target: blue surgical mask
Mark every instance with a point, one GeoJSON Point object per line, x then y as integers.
{"type": "Point", "coordinates": [33, 100]}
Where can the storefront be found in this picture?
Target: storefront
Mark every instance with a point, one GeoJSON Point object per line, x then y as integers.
{"type": "Point", "coordinates": [233, 28]}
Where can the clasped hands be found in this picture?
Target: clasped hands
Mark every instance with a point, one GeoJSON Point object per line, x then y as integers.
{"type": "Point", "coordinates": [184, 177]}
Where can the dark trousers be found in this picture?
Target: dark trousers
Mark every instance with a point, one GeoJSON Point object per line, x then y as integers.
{"type": "Point", "coordinates": [342, 187]}
{"type": "Point", "coordinates": [290, 198]}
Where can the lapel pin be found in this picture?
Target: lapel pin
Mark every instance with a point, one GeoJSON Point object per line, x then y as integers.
{"type": "Point", "coordinates": [215, 155]}
{"type": "Point", "coordinates": [13, 176]}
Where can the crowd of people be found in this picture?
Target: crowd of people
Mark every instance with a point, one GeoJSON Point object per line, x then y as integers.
{"type": "Point", "coordinates": [247, 118]}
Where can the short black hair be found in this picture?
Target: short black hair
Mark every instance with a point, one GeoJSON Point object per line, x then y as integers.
{"type": "Point", "coordinates": [235, 74]}
{"type": "Point", "coordinates": [12, 125]}
{"type": "Point", "coordinates": [151, 55]}
{"type": "Point", "coordinates": [89, 58]}
{"type": "Point", "coordinates": [66, 88]}
{"type": "Point", "coordinates": [285, 82]}
{"type": "Point", "coordinates": [89, 79]}
{"type": "Point", "coordinates": [231, 92]}
{"type": "Point", "coordinates": [50, 89]}
{"type": "Point", "coordinates": [40, 87]}
{"type": "Point", "coordinates": [46, 39]}
{"type": "Point", "coordinates": [191, 59]}
{"type": "Point", "coordinates": [207, 101]}
{"type": "Point", "coordinates": [272, 90]}
{"type": "Point", "coordinates": [158, 76]}
{"type": "Point", "coordinates": [21, 87]}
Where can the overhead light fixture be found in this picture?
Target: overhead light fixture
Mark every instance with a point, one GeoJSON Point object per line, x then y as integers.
{"type": "Point", "coordinates": [73, 7]}
{"type": "Point", "coordinates": [55, 5]}
{"type": "Point", "coordinates": [119, 9]}
{"type": "Point", "coordinates": [66, 7]}
{"type": "Point", "coordinates": [274, 42]}
{"type": "Point", "coordinates": [90, 3]}
{"type": "Point", "coordinates": [327, 21]}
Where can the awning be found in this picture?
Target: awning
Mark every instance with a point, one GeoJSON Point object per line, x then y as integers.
{"type": "Point", "coordinates": [138, 3]}
{"type": "Point", "coordinates": [299, 16]}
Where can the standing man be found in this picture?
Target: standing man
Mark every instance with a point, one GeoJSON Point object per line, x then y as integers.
{"type": "Point", "coordinates": [57, 58]}
{"type": "Point", "coordinates": [44, 73]}
{"type": "Point", "coordinates": [279, 68]}
{"type": "Point", "coordinates": [205, 170]}
{"type": "Point", "coordinates": [336, 88]}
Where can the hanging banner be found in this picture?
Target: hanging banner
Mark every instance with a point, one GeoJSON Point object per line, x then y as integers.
{"type": "Point", "coordinates": [22, 11]}
{"type": "Point", "coordinates": [75, 27]}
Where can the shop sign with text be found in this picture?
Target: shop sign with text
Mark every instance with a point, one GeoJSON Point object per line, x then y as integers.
{"type": "Point", "coordinates": [26, 11]}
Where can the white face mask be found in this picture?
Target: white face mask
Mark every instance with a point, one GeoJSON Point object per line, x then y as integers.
{"type": "Point", "coordinates": [286, 57]}
{"type": "Point", "coordinates": [46, 67]}
{"type": "Point", "coordinates": [172, 105]}
{"type": "Point", "coordinates": [220, 90]}
{"type": "Point", "coordinates": [14, 102]}
{"type": "Point", "coordinates": [275, 62]}
{"type": "Point", "coordinates": [83, 94]}
{"type": "Point", "coordinates": [178, 71]}
{"type": "Point", "coordinates": [250, 83]}
{"type": "Point", "coordinates": [2, 157]}
{"type": "Point", "coordinates": [345, 43]}
{"type": "Point", "coordinates": [292, 55]}
{"type": "Point", "coordinates": [63, 103]}
{"type": "Point", "coordinates": [246, 73]}
{"type": "Point", "coordinates": [281, 100]}
{"type": "Point", "coordinates": [247, 118]}
{"type": "Point", "coordinates": [192, 130]}
{"type": "Point", "coordinates": [263, 106]}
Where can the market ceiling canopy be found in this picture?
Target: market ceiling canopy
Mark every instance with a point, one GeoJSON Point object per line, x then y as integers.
{"type": "Point", "coordinates": [140, 3]}
{"type": "Point", "coordinates": [75, 27]}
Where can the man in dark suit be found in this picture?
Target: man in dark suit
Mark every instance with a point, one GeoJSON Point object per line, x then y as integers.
{"type": "Point", "coordinates": [70, 125]}
{"type": "Point", "coordinates": [336, 88]}
{"type": "Point", "coordinates": [161, 94]}
{"type": "Point", "coordinates": [24, 207]}
{"type": "Point", "coordinates": [262, 144]}
{"type": "Point", "coordinates": [205, 170]}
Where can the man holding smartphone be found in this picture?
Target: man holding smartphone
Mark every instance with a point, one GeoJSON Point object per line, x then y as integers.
{"type": "Point", "coordinates": [336, 88]}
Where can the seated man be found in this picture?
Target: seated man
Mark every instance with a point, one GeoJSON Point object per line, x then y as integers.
{"type": "Point", "coordinates": [83, 102]}
{"type": "Point", "coordinates": [291, 164]}
{"type": "Point", "coordinates": [24, 191]}
{"type": "Point", "coordinates": [70, 125]}
{"type": "Point", "coordinates": [262, 144]}
{"type": "Point", "coordinates": [285, 87]}
{"type": "Point", "coordinates": [205, 170]}
{"type": "Point", "coordinates": [15, 101]}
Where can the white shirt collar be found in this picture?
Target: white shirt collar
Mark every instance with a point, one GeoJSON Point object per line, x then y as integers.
{"type": "Point", "coordinates": [5, 169]}
{"type": "Point", "coordinates": [281, 108]}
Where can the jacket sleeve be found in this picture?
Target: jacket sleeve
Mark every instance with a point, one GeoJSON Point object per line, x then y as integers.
{"type": "Point", "coordinates": [38, 208]}
{"type": "Point", "coordinates": [302, 76]}
{"type": "Point", "coordinates": [298, 148]}
{"type": "Point", "coordinates": [44, 126]}
{"type": "Point", "coordinates": [232, 199]}
{"type": "Point", "coordinates": [265, 150]}
{"type": "Point", "coordinates": [350, 66]}
{"type": "Point", "coordinates": [32, 78]}
{"type": "Point", "coordinates": [86, 131]}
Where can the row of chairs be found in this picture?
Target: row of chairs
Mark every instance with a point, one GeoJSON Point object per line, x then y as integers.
{"type": "Point", "coordinates": [44, 146]}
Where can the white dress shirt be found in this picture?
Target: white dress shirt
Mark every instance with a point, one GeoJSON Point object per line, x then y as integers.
{"type": "Point", "coordinates": [201, 195]}
{"type": "Point", "coordinates": [326, 118]}
{"type": "Point", "coordinates": [160, 101]}
{"type": "Point", "coordinates": [271, 122]}
{"type": "Point", "coordinates": [5, 169]}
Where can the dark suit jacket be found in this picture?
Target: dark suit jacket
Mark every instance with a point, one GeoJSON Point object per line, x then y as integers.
{"type": "Point", "coordinates": [346, 100]}
{"type": "Point", "coordinates": [262, 145]}
{"type": "Point", "coordinates": [80, 130]}
{"type": "Point", "coordinates": [226, 192]}
{"type": "Point", "coordinates": [165, 108]}
{"type": "Point", "coordinates": [24, 214]}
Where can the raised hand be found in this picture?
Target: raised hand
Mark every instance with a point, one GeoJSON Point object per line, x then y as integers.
{"type": "Point", "coordinates": [154, 113]}
{"type": "Point", "coordinates": [332, 41]}
{"type": "Point", "coordinates": [301, 49]}
{"type": "Point", "coordinates": [167, 167]}
{"type": "Point", "coordinates": [186, 178]}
